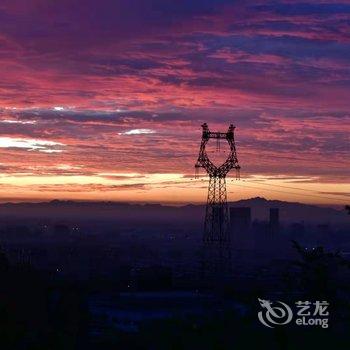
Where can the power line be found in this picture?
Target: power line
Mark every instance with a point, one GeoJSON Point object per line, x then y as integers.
{"type": "Point", "coordinates": [288, 192]}
{"type": "Point", "coordinates": [290, 187]}
{"type": "Point", "coordinates": [291, 158]}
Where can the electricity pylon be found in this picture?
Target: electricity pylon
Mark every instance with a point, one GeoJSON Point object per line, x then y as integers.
{"type": "Point", "coordinates": [216, 214]}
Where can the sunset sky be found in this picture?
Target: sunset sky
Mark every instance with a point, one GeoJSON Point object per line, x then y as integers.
{"type": "Point", "coordinates": [103, 100]}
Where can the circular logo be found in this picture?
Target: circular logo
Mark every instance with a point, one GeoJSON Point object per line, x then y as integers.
{"type": "Point", "coordinates": [274, 315]}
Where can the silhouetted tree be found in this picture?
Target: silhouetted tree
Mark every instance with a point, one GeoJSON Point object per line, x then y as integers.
{"type": "Point", "coordinates": [320, 270]}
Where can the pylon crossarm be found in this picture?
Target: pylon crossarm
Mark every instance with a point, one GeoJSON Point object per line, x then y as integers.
{"type": "Point", "coordinates": [204, 161]}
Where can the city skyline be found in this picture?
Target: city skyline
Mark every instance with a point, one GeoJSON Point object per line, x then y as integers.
{"type": "Point", "coordinates": [105, 102]}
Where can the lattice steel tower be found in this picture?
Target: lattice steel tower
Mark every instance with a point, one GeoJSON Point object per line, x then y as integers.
{"type": "Point", "coordinates": [217, 215]}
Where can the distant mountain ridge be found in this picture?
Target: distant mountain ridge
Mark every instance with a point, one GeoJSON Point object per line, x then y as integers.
{"type": "Point", "coordinates": [116, 211]}
{"type": "Point", "coordinates": [293, 211]}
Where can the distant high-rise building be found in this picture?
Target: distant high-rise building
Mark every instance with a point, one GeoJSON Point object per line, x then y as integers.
{"type": "Point", "coordinates": [240, 221]}
{"type": "Point", "coordinates": [274, 220]}
{"type": "Point", "coordinates": [240, 218]}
